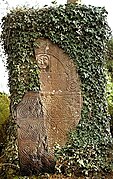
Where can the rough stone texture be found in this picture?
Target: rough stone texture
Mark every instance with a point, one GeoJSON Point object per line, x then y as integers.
{"type": "Point", "coordinates": [44, 118]}
{"type": "Point", "coordinates": [60, 92]}
{"type": "Point", "coordinates": [32, 138]}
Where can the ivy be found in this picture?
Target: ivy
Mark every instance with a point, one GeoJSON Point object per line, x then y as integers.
{"type": "Point", "coordinates": [82, 32]}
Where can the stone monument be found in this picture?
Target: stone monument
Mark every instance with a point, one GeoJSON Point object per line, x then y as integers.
{"type": "Point", "coordinates": [45, 118]}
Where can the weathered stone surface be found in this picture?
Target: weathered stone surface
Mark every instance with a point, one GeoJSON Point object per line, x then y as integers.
{"type": "Point", "coordinates": [32, 137]}
{"type": "Point", "coordinates": [60, 91]}
{"type": "Point", "coordinates": [46, 117]}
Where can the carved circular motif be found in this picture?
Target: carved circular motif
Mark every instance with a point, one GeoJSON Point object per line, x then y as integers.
{"type": "Point", "coordinates": [30, 107]}
{"type": "Point", "coordinates": [43, 60]}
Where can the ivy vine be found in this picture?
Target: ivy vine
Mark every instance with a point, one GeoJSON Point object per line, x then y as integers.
{"type": "Point", "coordinates": [82, 33]}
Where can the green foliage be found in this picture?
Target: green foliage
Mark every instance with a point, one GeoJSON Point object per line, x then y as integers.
{"type": "Point", "coordinates": [4, 114]}
{"type": "Point", "coordinates": [109, 65]}
{"type": "Point", "coordinates": [82, 33]}
{"type": "Point", "coordinates": [110, 94]}
{"type": "Point", "coordinates": [109, 89]}
{"type": "Point", "coordinates": [109, 58]}
{"type": "Point", "coordinates": [4, 108]}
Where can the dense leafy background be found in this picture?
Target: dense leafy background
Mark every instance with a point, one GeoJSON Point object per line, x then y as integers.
{"type": "Point", "coordinates": [109, 65]}
{"type": "Point", "coordinates": [4, 108]}
{"type": "Point", "coordinates": [82, 33]}
{"type": "Point", "coordinates": [4, 114]}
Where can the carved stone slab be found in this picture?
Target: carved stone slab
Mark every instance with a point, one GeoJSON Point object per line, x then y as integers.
{"type": "Point", "coordinates": [60, 91]}
{"type": "Point", "coordinates": [32, 137]}
{"type": "Point", "coordinates": [46, 117]}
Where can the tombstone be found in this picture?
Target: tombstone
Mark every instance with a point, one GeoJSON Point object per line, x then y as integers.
{"type": "Point", "coordinates": [45, 118]}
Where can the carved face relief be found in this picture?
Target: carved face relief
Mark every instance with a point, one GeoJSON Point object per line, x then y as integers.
{"type": "Point", "coordinates": [43, 61]}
